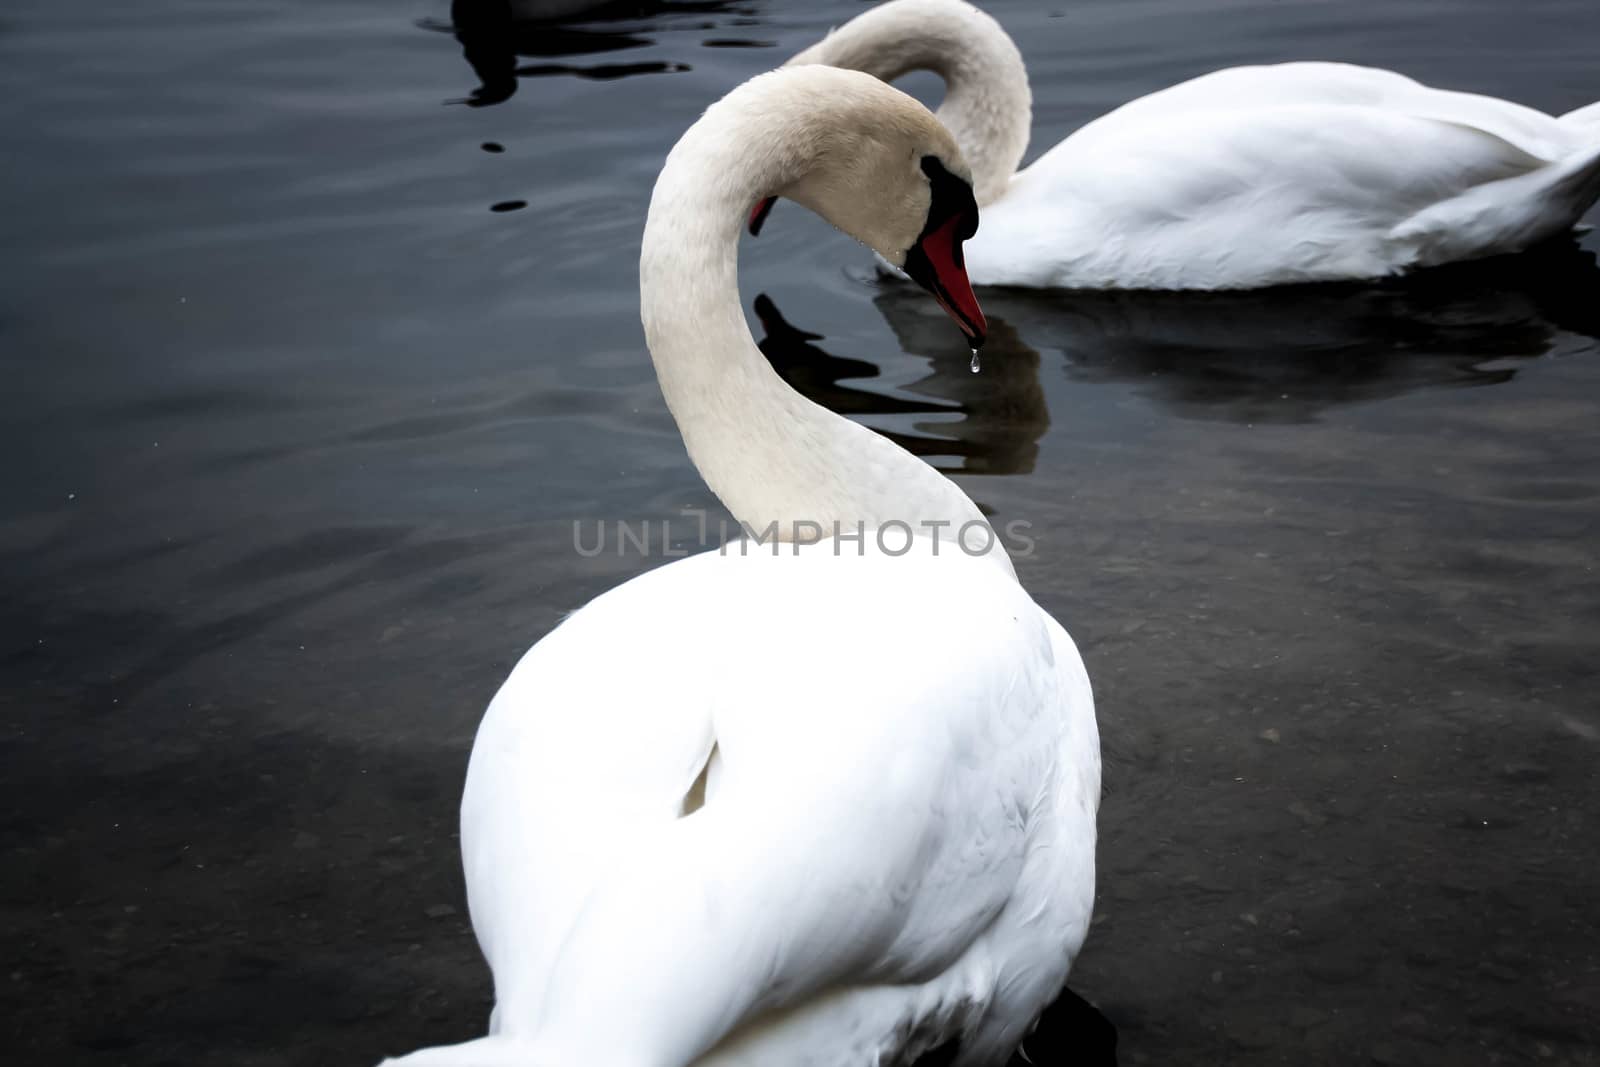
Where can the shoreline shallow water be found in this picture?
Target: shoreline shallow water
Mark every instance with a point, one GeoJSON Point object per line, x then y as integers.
{"type": "Point", "coordinates": [299, 427]}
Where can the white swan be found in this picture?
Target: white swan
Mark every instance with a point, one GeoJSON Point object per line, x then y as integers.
{"type": "Point", "coordinates": [833, 805]}
{"type": "Point", "coordinates": [1246, 177]}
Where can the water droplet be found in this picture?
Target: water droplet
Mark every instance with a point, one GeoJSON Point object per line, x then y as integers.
{"type": "Point", "coordinates": [976, 366]}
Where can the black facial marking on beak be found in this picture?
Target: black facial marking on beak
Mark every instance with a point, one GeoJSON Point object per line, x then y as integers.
{"type": "Point", "coordinates": [935, 261]}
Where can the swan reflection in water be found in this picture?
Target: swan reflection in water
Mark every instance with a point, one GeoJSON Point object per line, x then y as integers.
{"type": "Point", "coordinates": [990, 423]}
{"type": "Point", "coordinates": [1271, 355]}
{"type": "Point", "coordinates": [494, 33]}
{"type": "Point", "coordinates": [1286, 355]}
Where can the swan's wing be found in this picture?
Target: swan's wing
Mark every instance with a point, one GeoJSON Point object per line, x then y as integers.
{"type": "Point", "coordinates": [1337, 85]}
{"type": "Point", "coordinates": [884, 728]}
{"type": "Point", "coordinates": [1267, 175]}
{"type": "Point", "coordinates": [1038, 936]}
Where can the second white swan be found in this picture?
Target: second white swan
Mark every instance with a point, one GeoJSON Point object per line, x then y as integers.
{"type": "Point", "coordinates": [1247, 177]}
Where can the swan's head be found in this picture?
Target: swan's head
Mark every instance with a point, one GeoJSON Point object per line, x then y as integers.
{"type": "Point", "coordinates": [881, 168]}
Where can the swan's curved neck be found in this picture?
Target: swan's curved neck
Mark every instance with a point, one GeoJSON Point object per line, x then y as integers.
{"type": "Point", "coordinates": [769, 454]}
{"type": "Point", "coordinates": [988, 106]}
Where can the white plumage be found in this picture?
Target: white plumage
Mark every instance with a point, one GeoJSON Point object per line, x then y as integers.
{"type": "Point", "coordinates": [1247, 177]}
{"type": "Point", "coordinates": [822, 805]}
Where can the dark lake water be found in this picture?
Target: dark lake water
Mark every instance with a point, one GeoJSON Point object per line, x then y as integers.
{"type": "Point", "coordinates": [296, 427]}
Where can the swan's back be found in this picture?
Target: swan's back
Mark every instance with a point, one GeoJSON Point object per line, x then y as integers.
{"type": "Point", "coordinates": [875, 810]}
{"type": "Point", "coordinates": [1290, 173]}
{"type": "Point", "coordinates": [1268, 87]}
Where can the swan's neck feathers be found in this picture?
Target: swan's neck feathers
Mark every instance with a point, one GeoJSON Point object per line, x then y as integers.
{"type": "Point", "coordinates": [769, 454]}
{"type": "Point", "coordinates": [988, 106]}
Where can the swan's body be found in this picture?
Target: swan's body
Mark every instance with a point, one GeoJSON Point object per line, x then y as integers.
{"type": "Point", "coordinates": [829, 804]}
{"type": "Point", "coordinates": [1247, 177]}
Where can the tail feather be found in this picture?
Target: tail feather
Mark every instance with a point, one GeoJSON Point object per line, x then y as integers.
{"type": "Point", "coordinates": [1586, 119]}
{"type": "Point", "coordinates": [1579, 183]}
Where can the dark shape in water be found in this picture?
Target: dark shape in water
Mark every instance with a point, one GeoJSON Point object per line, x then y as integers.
{"type": "Point", "coordinates": [802, 364]}
{"type": "Point", "coordinates": [482, 27]}
{"type": "Point", "coordinates": [600, 71]}
{"type": "Point", "coordinates": [992, 423]}
{"type": "Point", "coordinates": [492, 146]}
{"type": "Point", "coordinates": [1071, 1031]}
{"type": "Point", "coordinates": [493, 33]}
{"type": "Point", "coordinates": [509, 205]}
{"type": "Point", "coordinates": [1288, 354]}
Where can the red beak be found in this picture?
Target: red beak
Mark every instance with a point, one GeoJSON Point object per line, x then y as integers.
{"type": "Point", "coordinates": [936, 264]}
{"type": "Point", "coordinates": [759, 213]}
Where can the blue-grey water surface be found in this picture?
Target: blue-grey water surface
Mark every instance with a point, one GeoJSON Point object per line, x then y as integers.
{"type": "Point", "coordinates": [296, 428]}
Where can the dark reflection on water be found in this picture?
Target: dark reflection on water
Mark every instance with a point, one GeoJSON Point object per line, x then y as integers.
{"type": "Point", "coordinates": [1283, 355]}
{"type": "Point", "coordinates": [1280, 356]}
{"type": "Point", "coordinates": [296, 430]}
{"type": "Point", "coordinates": [990, 423]}
{"type": "Point", "coordinates": [494, 33]}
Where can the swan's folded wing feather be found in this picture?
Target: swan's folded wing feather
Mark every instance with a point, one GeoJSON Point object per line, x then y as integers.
{"type": "Point", "coordinates": [1268, 87]}
{"type": "Point", "coordinates": [1278, 191]}
{"type": "Point", "coordinates": [869, 819]}
{"type": "Point", "coordinates": [582, 747]}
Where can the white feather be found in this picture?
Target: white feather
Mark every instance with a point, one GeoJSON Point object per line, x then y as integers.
{"type": "Point", "coordinates": [828, 804]}
{"type": "Point", "coordinates": [1247, 177]}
